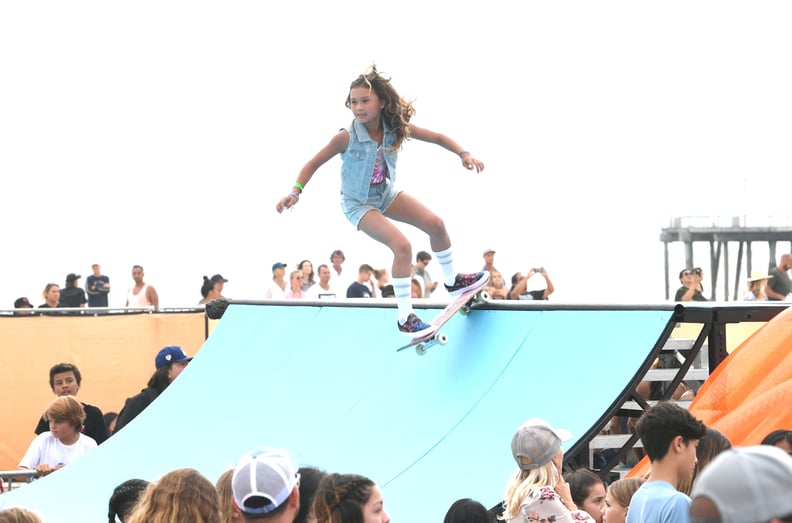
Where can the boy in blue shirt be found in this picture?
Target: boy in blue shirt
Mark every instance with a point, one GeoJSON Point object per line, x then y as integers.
{"type": "Point", "coordinates": [670, 435]}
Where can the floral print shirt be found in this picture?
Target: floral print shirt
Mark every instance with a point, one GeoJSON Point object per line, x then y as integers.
{"type": "Point", "coordinates": [543, 505]}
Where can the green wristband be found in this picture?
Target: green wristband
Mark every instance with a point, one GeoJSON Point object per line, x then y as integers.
{"type": "Point", "coordinates": [299, 186]}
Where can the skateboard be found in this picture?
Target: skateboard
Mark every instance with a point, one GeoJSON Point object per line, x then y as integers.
{"type": "Point", "coordinates": [462, 303]}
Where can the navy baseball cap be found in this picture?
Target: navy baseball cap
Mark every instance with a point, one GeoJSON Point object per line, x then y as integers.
{"type": "Point", "coordinates": [170, 354]}
{"type": "Point", "coordinates": [278, 265]}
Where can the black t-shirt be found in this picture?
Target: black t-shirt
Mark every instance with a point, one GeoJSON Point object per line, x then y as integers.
{"type": "Point", "coordinates": [72, 297]}
{"type": "Point", "coordinates": [97, 290]}
{"type": "Point", "coordinates": [358, 290]}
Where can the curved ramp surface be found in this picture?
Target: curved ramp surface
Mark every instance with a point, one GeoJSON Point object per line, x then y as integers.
{"type": "Point", "coordinates": [326, 383]}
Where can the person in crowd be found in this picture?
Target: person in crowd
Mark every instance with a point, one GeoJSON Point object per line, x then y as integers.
{"type": "Point", "coordinates": [24, 307]}
{"type": "Point", "coordinates": [141, 294]}
{"type": "Point", "coordinates": [124, 499]}
{"type": "Point", "coordinates": [323, 290]}
{"type": "Point", "coordinates": [343, 498]}
{"type": "Point", "coordinates": [295, 291]}
{"type": "Point", "coordinates": [489, 261]}
{"type": "Point", "coordinates": [617, 499]}
{"type": "Point", "coordinates": [169, 363]}
{"type": "Point", "coordinates": [97, 285]}
{"type": "Point", "coordinates": [225, 496]}
{"type": "Point", "coordinates": [180, 495]}
{"type": "Point", "coordinates": [63, 443]}
{"type": "Point", "coordinates": [422, 259]}
{"type": "Point", "coordinates": [781, 438]}
{"type": "Point", "coordinates": [744, 485]}
{"type": "Point", "coordinates": [365, 286]}
{"type": "Point", "coordinates": [209, 291]}
{"type": "Point", "coordinates": [339, 278]}
{"type": "Point", "coordinates": [712, 443]}
{"type": "Point", "coordinates": [72, 294]}
{"type": "Point", "coordinates": [416, 289]}
{"type": "Point", "coordinates": [757, 284]}
{"type": "Point", "coordinates": [65, 379]}
{"type": "Point", "coordinates": [369, 149]}
{"type": "Point", "coordinates": [539, 290]}
{"type": "Point", "coordinates": [110, 419]}
{"type": "Point", "coordinates": [588, 492]}
{"type": "Point", "coordinates": [536, 491]}
{"type": "Point", "coordinates": [689, 290]}
{"type": "Point", "coordinates": [669, 434]}
{"type": "Point", "coordinates": [779, 288]}
{"type": "Point", "coordinates": [308, 274]}
{"type": "Point", "coordinates": [51, 296]}
{"type": "Point", "coordinates": [698, 278]}
{"type": "Point", "coordinates": [309, 483]}
{"type": "Point", "coordinates": [467, 510]}
{"type": "Point", "coordinates": [497, 286]}
{"type": "Point", "coordinates": [219, 282]}
{"type": "Point", "coordinates": [276, 290]}
{"type": "Point", "coordinates": [383, 283]}
{"type": "Point", "coordinates": [18, 515]}
{"type": "Point", "coordinates": [265, 484]}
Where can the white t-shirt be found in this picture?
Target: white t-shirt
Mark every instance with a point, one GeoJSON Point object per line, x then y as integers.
{"type": "Point", "coordinates": [46, 448]}
{"type": "Point", "coordinates": [274, 292]}
{"type": "Point", "coordinates": [316, 292]}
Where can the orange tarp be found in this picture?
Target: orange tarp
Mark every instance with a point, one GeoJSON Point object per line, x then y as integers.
{"type": "Point", "coordinates": [115, 355]}
{"type": "Point", "coordinates": [749, 394]}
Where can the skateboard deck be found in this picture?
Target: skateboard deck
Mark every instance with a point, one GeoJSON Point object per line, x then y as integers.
{"type": "Point", "coordinates": [462, 303]}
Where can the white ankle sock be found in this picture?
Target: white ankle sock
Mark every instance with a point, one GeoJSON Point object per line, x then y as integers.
{"type": "Point", "coordinates": [402, 289]}
{"type": "Point", "coordinates": [446, 261]}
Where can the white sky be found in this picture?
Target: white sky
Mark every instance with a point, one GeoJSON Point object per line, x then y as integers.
{"type": "Point", "coordinates": [163, 133]}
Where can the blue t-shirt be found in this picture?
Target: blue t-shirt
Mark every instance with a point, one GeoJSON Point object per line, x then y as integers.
{"type": "Point", "coordinates": [658, 502]}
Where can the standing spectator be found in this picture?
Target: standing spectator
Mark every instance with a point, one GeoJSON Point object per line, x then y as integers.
{"type": "Point", "coordinates": [219, 282]}
{"type": "Point", "coordinates": [489, 261]}
{"type": "Point", "coordinates": [757, 284]}
{"type": "Point", "coordinates": [141, 294]}
{"type": "Point", "coordinates": [110, 419]}
{"type": "Point", "coordinates": [541, 290]}
{"type": "Point", "coordinates": [669, 435]}
{"type": "Point", "coordinates": [342, 498]}
{"type": "Point", "coordinates": [416, 289]}
{"type": "Point", "coordinates": [618, 497]}
{"type": "Point", "coordinates": [265, 484]}
{"type": "Point", "coordinates": [468, 510]}
{"type": "Point", "coordinates": [124, 499]}
{"type": "Point", "coordinates": [181, 495]}
{"type": "Point", "coordinates": [745, 485]}
{"type": "Point", "coordinates": [63, 443]}
{"type": "Point", "coordinates": [588, 492]}
{"type": "Point", "coordinates": [72, 295]}
{"type": "Point", "coordinates": [689, 290]}
{"type": "Point", "coordinates": [170, 362]}
{"type": "Point", "coordinates": [276, 290]}
{"type": "Point", "coordinates": [23, 303]}
{"type": "Point", "coordinates": [65, 379]}
{"type": "Point", "coordinates": [339, 278]}
{"type": "Point", "coordinates": [497, 287]}
{"type": "Point", "coordinates": [536, 491]}
{"type": "Point", "coordinates": [295, 291]}
{"type": "Point", "coordinates": [308, 274]}
{"type": "Point", "coordinates": [383, 281]}
{"type": "Point", "coordinates": [323, 290]}
{"type": "Point", "coordinates": [310, 477]}
{"type": "Point", "coordinates": [710, 445]}
{"type": "Point", "coordinates": [209, 291]}
{"type": "Point", "coordinates": [98, 287]}
{"type": "Point", "coordinates": [51, 296]}
{"type": "Point", "coordinates": [780, 287]}
{"type": "Point", "coordinates": [422, 259]}
{"type": "Point", "coordinates": [358, 289]}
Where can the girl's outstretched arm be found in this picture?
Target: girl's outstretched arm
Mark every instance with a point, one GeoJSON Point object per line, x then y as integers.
{"type": "Point", "coordinates": [425, 135]}
{"type": "Point", "coordinates": [337, 145]}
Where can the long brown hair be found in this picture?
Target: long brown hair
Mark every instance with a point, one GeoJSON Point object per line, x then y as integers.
{"type": "Point", "coordinates": [180, 495]}
{"type": "Point", "coordinates": [397, 111]}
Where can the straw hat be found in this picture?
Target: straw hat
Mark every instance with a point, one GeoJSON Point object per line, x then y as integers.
{"type": "Point", "coordinates": [759, 275]}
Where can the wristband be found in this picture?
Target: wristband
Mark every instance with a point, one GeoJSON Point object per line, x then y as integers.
{"type": "Point", "coordinates": [295, 194]}
{"type": "Point", "coordinates": [462, 153]}
{"type": "Point", "coordinates": [299, 186]}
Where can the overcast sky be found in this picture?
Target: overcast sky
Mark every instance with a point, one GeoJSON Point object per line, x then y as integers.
{"type": "Point", "coordinates": [163, 133]}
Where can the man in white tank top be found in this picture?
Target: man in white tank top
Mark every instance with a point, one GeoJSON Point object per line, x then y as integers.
{"type": "Point", "coordinates": [142, 294]}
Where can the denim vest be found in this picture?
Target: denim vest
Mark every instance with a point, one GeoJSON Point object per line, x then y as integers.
{"type": "Point", "coordinates": [358, 160]}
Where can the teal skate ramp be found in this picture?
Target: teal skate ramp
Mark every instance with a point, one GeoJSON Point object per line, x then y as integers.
{"type": "Point", "coordinates": [326, 383]}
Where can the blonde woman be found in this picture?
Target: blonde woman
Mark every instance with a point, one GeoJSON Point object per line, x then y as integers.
{"type": "Point", "coordinates": [617, 499]}
{"type": "Point", "coordinates": [180, 495]}
{"type": "Point", "coordinates": [295, 291]}
{"type": "Point", "coordinates": [536, 492]}
{"type": "Point", "coordinates": [756, 286]}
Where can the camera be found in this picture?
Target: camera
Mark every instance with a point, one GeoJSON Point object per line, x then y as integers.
{"type": "Point", "coordinates": [537, 270]}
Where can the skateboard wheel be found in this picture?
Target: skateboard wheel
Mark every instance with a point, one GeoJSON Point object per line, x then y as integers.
{"type": "Point", "coordinates": [465, 309]}
{"type": "Point", "coordinates": [483, 297]}
{"type": "Point", "coordinates": [420, 349]}
{"type": "Point", "coordinates": [442, 339]}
